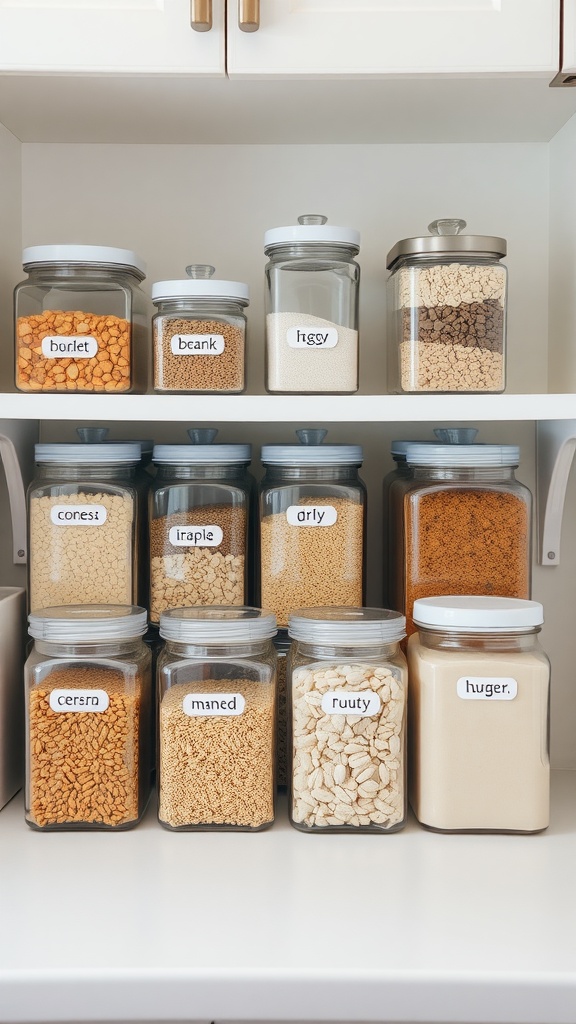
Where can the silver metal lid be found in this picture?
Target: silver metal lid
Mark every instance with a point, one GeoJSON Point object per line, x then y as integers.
{"type": "Point", "coordinates": [446, 240]}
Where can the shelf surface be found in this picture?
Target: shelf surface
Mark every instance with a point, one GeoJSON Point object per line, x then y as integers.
{"type": "Point", "coordinates": [288, 408]}
{"type": "Point", "coordinates": [152, 925]}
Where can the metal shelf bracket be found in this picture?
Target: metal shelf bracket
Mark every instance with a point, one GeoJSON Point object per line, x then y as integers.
{"type": "Point", "coordinates": [555, 448]}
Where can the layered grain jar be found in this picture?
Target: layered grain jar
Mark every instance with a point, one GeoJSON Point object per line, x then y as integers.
{"type": "Point", "coordinates": [459, 523]}
{"type": "Point", "coordinates": [479, 715]}
{"type": "Point", "coordinates": [312, 283]}
{"type": "Point", "coordinates": [81, 320]}
{"type": "Point", "coordinates": [217, 719]}
{"type": "Point", "coordinates": [199, 334]}
{"type": "Point", "coordinates": [347, 682]}
{"type": "Point", "coordinates": [312, 525]}
{"type": "Point", "coordinates": [88, 718]}
{"type": "Point", "coordinates": [447, 312]}
{"type": "Point", "coordinates": [86, 520]}
{"type": "Point", "coordinates": [200, 524]}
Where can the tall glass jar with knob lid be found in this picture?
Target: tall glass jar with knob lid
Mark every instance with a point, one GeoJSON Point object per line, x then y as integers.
{"type": "Point", "coordinates": [312, 285]}
{"type": "Point", "coordinates": [81, 320]}
{"type": "Point", "coordinates": [447, 312]}
{"type": "Point", "coordinates": [199, 333]}
{"type": "Point", "coordinates": [200, 524]}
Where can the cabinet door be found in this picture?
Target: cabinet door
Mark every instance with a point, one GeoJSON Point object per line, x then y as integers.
{"type": "Point", "coordinates": [118, 36]}
{"type": "Point", "coordinates": [340, 38]}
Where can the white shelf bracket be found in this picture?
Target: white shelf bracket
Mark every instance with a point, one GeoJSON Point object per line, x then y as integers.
{"type": "Point", "coordinates": [16, 497]}
{"type": "Point", "coordinates": [555, 447]}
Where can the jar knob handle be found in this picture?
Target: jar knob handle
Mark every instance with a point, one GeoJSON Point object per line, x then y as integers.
{"type": "Point", "coordinates": [312, 218]}
{"type": "Point", "coordinates": [446, 226]}
{"type": "Point", "coordinates": [202, 435]}
{"type": "Point", "coordinates": [92, 435]}
{"type": "Point", "coordinates": [200, 271]}
{"type": "Point", "coordinates": [456, 435]}
{"type": "Point", "coordinates": [310, 435]}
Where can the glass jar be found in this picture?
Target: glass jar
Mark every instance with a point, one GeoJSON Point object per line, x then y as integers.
{"type": "Point", "coordinates": [347, 681]}
{"type": "Point", "coordinates": [447, 312]}
{"type": "Point", "coordinates": [479, 708]}
{"type": "Point", "coordinates": [282, 646]}
{"type": "Point", "coordinates": [81, 320]}
{"type": "Point", "coordinates": [217, 719]}
{"type": "Point", "coordinates": [199, 334]}
{"type": "Point", "coordinates": [88, 757]}
{"type": "Point", "coordinates": [312, 525]}
{"type": "Point", "coordinates": [85, 520]}
{"type": "Point", "coordinates": [312, 308]}
{"type": "Point", "coordinates": [460, 523]}
{"type": "Point", "coordinates": [200, 513]}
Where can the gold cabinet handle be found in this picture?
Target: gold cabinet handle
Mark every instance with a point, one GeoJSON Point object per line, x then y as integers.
{"type": "Point", "coordinates": [201, 15]}
{"type": "Point", "coordinates": [249, 15]}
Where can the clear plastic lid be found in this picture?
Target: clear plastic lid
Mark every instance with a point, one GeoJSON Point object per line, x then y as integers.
{"type": "Point", "coordinates": [88, 623]}
{"type": "Point", "coordinates": [217, 624]}
{"type": "Point", "coordinates": [202, 451]}
{"type": "Point", "coordinates": [445, 239]}
{"type": "Point", "coordinates": [478, 614]}
{"type": "Point", "coordinates": [36, 255]}
{"type": "Point", "coordinates": [312, 452]}
{"type": "Point", "coordinates": [446, 455]}
{"type": "Point", "coordinates": [312, 229]}
{"type": "Point", "coordinates": [89, 454]}
{"type": "Point", "coordinates": [199, 285]}
{"type": "Point", "coordinates": [347, 627]}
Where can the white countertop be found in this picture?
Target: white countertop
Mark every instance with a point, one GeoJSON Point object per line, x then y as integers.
{"type": "Point", "coordinates": [149, 925]}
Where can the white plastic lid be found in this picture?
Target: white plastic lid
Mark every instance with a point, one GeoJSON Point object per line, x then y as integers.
{"type": "Point", "coordinates": [312, 452]}
{"type": "Point", "coordinates": [313, 228]}
{"type": "Point", "coordinates": [200, 454]}
{"type": "Point", "coordinates": [419, 454]}
{"type": "Point", "coordinates": [218, 624]}
{"type": "Point", "coordinates": [35, 254]}
{"type": "Point", "coordinates": [88, 454]}
{"type": "Point", "coordinates": [345, 626]}
{"type": "Point", "coordinates": [88, 623]}
{"type": "Point", "coordinates": [478, 614]}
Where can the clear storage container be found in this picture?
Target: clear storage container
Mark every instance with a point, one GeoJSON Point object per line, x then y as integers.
{"type": "Point", "coordinates": [217, 719]}
{"type": "Point", "coordinates": [312, 285]}
{"type": "Point", "coordinates": [200, 513]}
{"type": "Point", "coordinates": [460, 523]}
{"type": "Point", "coordinates": [81, 320]}
{"type": "Point", "coordinates": [312, 525]}
{"type": "Point", "coordinates": [447, 312]}
{"type": "Point", "coordinates": [85, 520]}
{"type": "Point", "coordinates": [479, 706]}
{"type": "Point", "coordinates": [282, 646]}
{"type": "Point", "coordinates": [199, 333]}
{"type": "Point", "coordinates": [347, 682]}
{"type": "Point", "coordinates": [88, 726]}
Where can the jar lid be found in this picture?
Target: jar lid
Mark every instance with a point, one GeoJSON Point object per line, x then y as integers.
{"type": "Point", "coordinates": [199, 285]}
{"type": "Point", "coordinates": [88, 623]}
{"type": "Point", "coordinates": [116, 452]}
{"type": "Point", "coordinates": [446, 455]}
{"type": "Point", "coordinates": [34, 255]}
{"type": "Point", "coordinates": [217, 624]}
{"type": "Point", "coordinates": [446, 239]}
{"type": "Point", "coordinates": [477, 614]}
{"type": "Point", "coordinates": [95, 435]}
{"type": "Point", "coordinates": [346, 626]}
{"type": "Point", "coordinates": [311, 452]}
{"type": "Point", "coordinates": [312, 229]}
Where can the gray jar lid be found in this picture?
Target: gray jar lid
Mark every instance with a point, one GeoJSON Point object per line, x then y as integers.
{"type": "Point", "coordinates": [202, 451]}
{"type": "Point", "coordinates": [339, 626]}
{"type": "Point", "coordinates": [446, 455]}
{"type": "Point", "coordinates": [217, 624]}
{"type": "Point", "coordinates": [445, 240]}
{"type": "Point", "coordinates": [312, 452]}
{"type": "Point", "coordinates": [89, 454]}
{"type": "Point", "coordinates": [88, 623]}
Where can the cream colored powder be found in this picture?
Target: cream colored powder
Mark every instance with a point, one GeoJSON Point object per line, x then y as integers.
{"type": "Point", "coordinates": [478, 764]}
{"type": "Point", "coordinates": [310, 369]}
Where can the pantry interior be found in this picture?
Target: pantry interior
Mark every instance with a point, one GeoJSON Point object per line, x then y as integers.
{"type": "Point", "coordinates": [196, 171]}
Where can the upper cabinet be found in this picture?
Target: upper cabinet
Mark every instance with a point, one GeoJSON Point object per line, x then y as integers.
{"type": "Point", "coordinates": [117, 36]}
{"type": "Point", "coordinates": [394, 37]}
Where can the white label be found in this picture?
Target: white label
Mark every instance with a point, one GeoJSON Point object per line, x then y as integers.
{"type": "Point", "coordinates": [197, 344]}
{"type": "Point", "coordinates": [79, 700]}
{"type": "Point", "coordinates": [349, 702]}
{"type": "Point", "coordinates": [195, 536]}
{"type": "Point", "coordinates": [77, 346]}
{"type": "Point", "coordinates": [486, 688]}
{"type": "Point", "coordinates": [213, 704]}
{"type": "Point", "coordinates": [78, 515]}
{"type": "Point", "coordinates": [311, 515]}
{"type": "Point", "coordinates": [312, 337]}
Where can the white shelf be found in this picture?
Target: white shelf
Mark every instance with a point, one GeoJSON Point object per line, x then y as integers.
{"type": "Point", "coordinates": [150, 925]}
{"type": "Point", "coordinates": [288, 408]}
